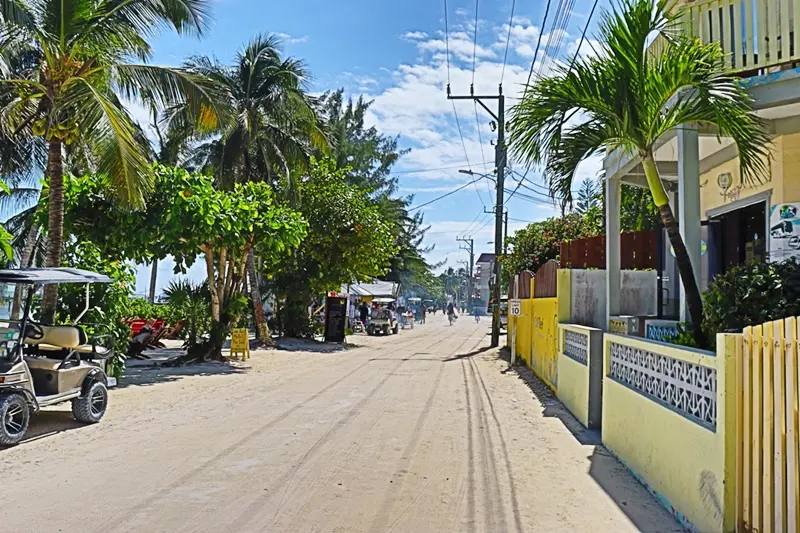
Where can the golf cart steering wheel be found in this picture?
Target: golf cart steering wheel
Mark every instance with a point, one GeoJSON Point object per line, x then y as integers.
{"type": "Point", "coordinates": [33, 331]}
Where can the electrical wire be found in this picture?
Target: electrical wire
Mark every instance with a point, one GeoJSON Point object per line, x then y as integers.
{"type": "Point", "coordinates": [445, 195]}
{"type": "Point", "coordinates": [480, 143]}
{"type": "Point", "coordinates": [536, 52]}
{"type": "Point", "coordinates": [447, 42]}
{"type": "Point", "coordinates": [421, 170]}
{"type": "Point", "coordinates": [464, 145]}
{"type": "Point", "coordinates": [508, 40]}
{"type": "Point", "coordinates": [475, 42]}
{"type": "Point", "coordinates": [583, 36]}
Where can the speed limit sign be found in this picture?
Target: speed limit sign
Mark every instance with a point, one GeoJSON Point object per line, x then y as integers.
{"type": "Point", "coordinates": [515, 307]}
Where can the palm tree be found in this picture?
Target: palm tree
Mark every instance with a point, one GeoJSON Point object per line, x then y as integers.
{"type": "Point", "coordinates": [628, 97]}
{"type": "Point", "coordinates": [69, 64]}
{"type": "Point", "coordinates": [274, 123]}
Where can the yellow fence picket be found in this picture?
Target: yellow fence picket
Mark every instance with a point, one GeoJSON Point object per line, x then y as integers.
{"type": "Point", "coordinates": [779, 429]}
{"type": "Point", "coordinates": [745, 438]}
{"type": "Point", "coordinates": [766, 432]}
{"type": "Point", "coordinates": [757, 414]}
{"type": "Point", "coordinates": [792, 488]}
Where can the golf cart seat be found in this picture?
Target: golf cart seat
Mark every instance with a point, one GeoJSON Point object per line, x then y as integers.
{"type": "Point", "coordinates": [60, 341]}
{"type": "Point", "coordinates": [42, 363]}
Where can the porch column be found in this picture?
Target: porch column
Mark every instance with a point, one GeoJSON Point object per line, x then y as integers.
{"type": "Point", "coordinates": [689, 201]}
{"type": "Point", "coordinates": [613, 194]}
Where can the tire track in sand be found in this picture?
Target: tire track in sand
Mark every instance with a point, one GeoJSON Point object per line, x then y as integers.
{"type": "Point", "coordinates": [120, 522]}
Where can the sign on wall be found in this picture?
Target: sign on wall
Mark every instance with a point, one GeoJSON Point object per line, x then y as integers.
{"type": "Point", "coordinates": [515, 307]}
{"type": "Point", "coordinates": [784, 231]}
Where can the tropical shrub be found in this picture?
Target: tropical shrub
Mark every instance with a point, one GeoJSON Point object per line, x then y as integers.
{"type": "Point", "coordinates": [107, 300]}
{"type": "Point", "coordinates": [751, 294]}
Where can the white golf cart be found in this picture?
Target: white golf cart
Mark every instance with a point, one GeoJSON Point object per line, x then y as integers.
{"type": "Point", "coordinates": [43, 365]}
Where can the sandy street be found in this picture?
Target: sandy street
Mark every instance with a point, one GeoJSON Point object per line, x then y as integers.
{"type": "Point", "coordinates": [415, 433]}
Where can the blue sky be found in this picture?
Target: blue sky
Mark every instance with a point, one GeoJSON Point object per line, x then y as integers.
{"type": "Point", "coordinates": [394, 54]}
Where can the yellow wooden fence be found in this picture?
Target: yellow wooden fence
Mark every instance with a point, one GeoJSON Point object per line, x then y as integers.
{"type": "Point", "coordinates": [768, 454]}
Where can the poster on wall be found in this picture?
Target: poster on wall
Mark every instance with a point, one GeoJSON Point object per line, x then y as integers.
{"type": "Point", "coordinates": [784, 231]}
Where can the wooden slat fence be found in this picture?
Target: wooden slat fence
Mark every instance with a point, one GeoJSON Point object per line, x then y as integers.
{"type": "Point", "coordinates": [638, 250]}
{"type": "Point", "coordinates": [546, 285]}
{"type": "Point", "coordinates": [768, 444]}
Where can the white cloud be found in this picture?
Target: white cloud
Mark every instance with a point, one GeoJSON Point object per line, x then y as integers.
{"type": "Point", "coordinates": [292, 40]}
{"type": "Point", "coordinates": [414, 36]}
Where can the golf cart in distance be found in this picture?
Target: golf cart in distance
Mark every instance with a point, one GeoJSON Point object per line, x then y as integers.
{"type": "Point", "coordinates": [383, 320]}
{"type": "Point", "coordinates": [43, 365]}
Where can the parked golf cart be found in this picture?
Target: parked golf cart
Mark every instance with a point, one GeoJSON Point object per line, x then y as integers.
{"type": "Point", "coordinates": [43, 365]}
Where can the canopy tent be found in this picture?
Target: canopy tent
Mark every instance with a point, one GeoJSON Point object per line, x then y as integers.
{"type": "Point", "coordinates": [48, 276]}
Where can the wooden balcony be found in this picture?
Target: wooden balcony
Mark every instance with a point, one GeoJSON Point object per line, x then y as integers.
{"type": "Point", "coordinates": [758, 36]}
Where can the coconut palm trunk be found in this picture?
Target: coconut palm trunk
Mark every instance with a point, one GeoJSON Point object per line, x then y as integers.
{"type": "Point", "coordinates": [153, 279]}
{"type": "Point", "coordinates": [55, 225]}
{"type": "Point", "coordinates": [24, 262]}
{"type": "Point", "coordinates": [694, 300]}
{"type": "Point", "coordinates": [262, 330]}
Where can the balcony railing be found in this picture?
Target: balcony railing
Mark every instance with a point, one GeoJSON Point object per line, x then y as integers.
{"type": "Point", "coordinates": [755, 34]}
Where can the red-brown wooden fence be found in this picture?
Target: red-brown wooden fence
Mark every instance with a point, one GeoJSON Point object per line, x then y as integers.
{"type": "Point", "coordinates": [638, 250]}
{"type": "Point", "coordinates": [524, 284]}
{"type": "Point", "coordinates": [545, 285]}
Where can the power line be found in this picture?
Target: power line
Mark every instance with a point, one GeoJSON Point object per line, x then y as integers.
{"type": "Point", "coordinates": [583, 36]}
{"type": "Point", "coordinates": [464, 145]}
{"type": "Point", "coordinates": [447, 42]}
{"type": "Point", "coordinates": [445, 195]}
{"type": "Point", "coordinates": [475, 42]}
{"type": "Point", "coordinates": [421, 170]}
{"type": "Point", "coordinates": [538, 44]}
{"type": "Point", "coordinates": [508, 40]}
{"type": "Point", "coordinates": [480, 142]}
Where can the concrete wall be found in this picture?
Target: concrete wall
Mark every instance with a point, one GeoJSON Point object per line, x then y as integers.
{"type": "Point", "coordinates": [683, 462]}
{"type": "Point", "coordinates": [580, 374]}
{"type": "Point", "coordinates": [639, 296]}
{"type": "Point", "coordinates": [537, 337]}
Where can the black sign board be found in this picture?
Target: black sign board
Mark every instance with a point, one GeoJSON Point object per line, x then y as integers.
{"type": "Point", "coordinates": [335, 318]}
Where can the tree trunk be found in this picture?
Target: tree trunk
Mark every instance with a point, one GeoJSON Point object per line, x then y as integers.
{"type": "Point", "coordinates": [24, 262]}
{"type": "Point", "coordinates": [55, 225]}
{"type": "Point", "coordinates": [151, 296]}
{"type": "Point", "coordinates": [262, 331]}
{"type": "Point", "coordinates": [694, 300]}
{"type": "Point", "coordinates": [296, 322]}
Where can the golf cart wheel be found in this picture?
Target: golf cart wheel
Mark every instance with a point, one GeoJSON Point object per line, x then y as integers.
{"type": "Point", "coordinates": [385, 330]}
{"type": "Point", "coordinates": [370, 331]}
{"type": "Point", "coordinates": [396, 329]}
{"type": "Point", "coordinates": [15, 415]}
{"type": "Point", "coordinates": [91, 407]}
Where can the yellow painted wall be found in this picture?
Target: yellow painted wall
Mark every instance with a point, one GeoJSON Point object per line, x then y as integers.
{"type": "Point", "coordinates": [544, 358]}
{"type": "Point", "coordinates": [783, 177]}
{"type": "Point", "coordinates": [573, 387]}
{"type": "Point", "coordinates": [537, 337]}
{"type": "Point", "coordinates": [682, 461]}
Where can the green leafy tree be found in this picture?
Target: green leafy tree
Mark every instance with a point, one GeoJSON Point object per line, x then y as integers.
{"type": "Point", "coordinates": [103, 322]}
{"type": "Point", "coordinates": [348, 240]}
{"type": "Point", "coordinates": [629, 96]}
{"type": "Point", "coordinates": [534, 245]}
{"type": "Point", "coordinates": [273, 126]}
{"type": "Point", "coordinates": [369, 157]}
{"type": "Point", "coordinates": [188, 217]}
{"type": "Point", "coordinates": [68, 64]}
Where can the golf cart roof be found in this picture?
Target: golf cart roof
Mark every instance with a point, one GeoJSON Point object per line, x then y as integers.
{"type": "Point", "coordinates": [47, 276]}
{"type": "Point", "coordinates": [382, 300]}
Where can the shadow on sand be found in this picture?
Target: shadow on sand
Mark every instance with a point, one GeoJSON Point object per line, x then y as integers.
{"type": "Point", "coordinates": [613, 477]}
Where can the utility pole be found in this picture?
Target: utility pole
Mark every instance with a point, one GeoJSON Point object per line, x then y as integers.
{"type": "Point", "coordinates": [471, 251]}
{"type": "Point", "coordinates": [500, 166]}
